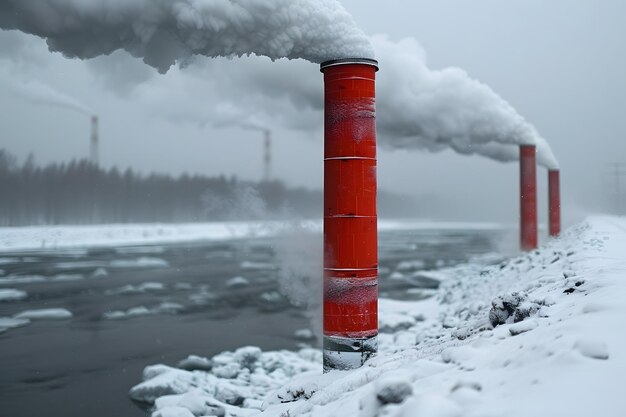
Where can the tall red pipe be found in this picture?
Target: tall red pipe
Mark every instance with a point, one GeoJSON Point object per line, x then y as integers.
{"type": "Point", "coordinates": [528, 197]}
{"type": "Point", "coordinates": [554, 201]}
{"type": "Point", "coordinates": [350, 235]}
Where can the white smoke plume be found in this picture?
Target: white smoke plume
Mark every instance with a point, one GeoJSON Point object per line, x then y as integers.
{"type": "Point", "coordinates": [418, 108]}
{"type": "Point", "coordinates": [164, 32]}
{"type": "Point", "coordinates": [439, 109]}
{"type": "Point", "coordinates": [41, 94]}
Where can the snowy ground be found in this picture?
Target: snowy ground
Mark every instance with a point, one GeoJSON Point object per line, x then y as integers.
{"type": "Point", "coordinates": [66, 237]}
{"type": "Point", "coordinates": [537, 335]}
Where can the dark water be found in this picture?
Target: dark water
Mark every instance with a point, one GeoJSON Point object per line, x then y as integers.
{"type": "Point", "coordinates": [85, 366]}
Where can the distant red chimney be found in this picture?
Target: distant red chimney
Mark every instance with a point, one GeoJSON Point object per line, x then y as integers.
{"type": "Point", "coordinates": [528, 197]}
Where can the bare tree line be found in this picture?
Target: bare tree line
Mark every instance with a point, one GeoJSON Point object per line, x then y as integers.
{"type": "Point", "coordinates": [79, 192]}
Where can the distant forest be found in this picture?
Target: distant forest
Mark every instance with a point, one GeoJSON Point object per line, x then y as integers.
{"type": "Point", "coordinates": [78, 192]}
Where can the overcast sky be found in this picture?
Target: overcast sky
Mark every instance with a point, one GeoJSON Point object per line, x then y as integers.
{"type": "Point", "coordinates": [560, 63]}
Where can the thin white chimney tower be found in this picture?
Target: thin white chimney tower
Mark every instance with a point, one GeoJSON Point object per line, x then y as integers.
{"type": "Point", "coordinates": [94, 141]}
{"type": "Point", "coordinates": [267, 171]}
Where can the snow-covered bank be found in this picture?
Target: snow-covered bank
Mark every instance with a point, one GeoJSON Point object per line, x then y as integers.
{"type": "Point", "coordinates": [537, 335]}
{"type": "Point", "coordinates": [63, 237]}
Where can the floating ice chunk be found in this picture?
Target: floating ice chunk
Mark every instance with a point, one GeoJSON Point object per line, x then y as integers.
{"type": "Point", "coordinates": [271, 297]}
{"type": "Point", "coordinates": [144, 287]}
{"type": "Point", "coordinates": [592, 348]}
{"type": "Point", "coordinates": [522, 327]}
{"type": "Point", "coordinates": [45, 314]}
{"type": "Point", "coordinates": [165, 307]}
{"type": "Point", "coordinates": [99, 273]}
{"type": "Point", "coordinates": [304, 334]}
{"type": "Point", "coordinates": [11, 322]}
{"type": "Point", "coordinates": [22, 279]}
{"type": "Point", "coordinates": [396, 275]}
{"type": "Point", "coordinates": [131, 312]}
{"type": "Point", "coordinates": [409, 265]}
{"type": "Point", "coordinates": [143, 262]}
{"type": "Point", "coordinates": [67, 277]}
{"type": "Point", "coordinates": [237, 282]}
{"type": "Point", "coordinates": [202, 297]}
{"type": "Point", "coordinates": [257, 265]}
{"type": "Point", "coordinates": [10, 294]}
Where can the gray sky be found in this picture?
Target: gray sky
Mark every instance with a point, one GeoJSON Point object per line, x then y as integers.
{"type": "Point", "coordinates": [560, 63]}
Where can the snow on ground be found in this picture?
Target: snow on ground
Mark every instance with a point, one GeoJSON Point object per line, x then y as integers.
{"type": "Point", "coordinates": [537, 335]}
{"type": "Point", "coordinates": [64, 237]}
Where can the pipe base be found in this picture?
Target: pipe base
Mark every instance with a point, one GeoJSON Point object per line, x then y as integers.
{"type": "Point", "coordinates": [345, 353]}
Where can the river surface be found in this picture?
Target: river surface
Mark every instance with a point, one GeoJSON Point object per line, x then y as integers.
{"type": "Point", "coordinates": [134, 306]}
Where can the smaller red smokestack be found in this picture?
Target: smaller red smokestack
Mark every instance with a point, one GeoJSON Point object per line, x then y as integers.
{"type": "Point", "coordinates": [554, 201]}
{"type": "Point", "coordinates": [528, 197]}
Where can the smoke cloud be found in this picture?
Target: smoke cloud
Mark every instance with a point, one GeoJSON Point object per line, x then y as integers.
{"type": "Point", "coordinates": [165, 32]}
{"type": "Point", "coordinates": [41, 94]}
{"type": "Point", "coordinates": [418, 108]}
{"type": "Point", "coordinates": [439, 109]}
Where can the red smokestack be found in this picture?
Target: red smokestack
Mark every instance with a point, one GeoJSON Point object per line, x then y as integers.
{"type": "Point", "coordinates": [528, 197]}
{"type": "Point", "coordinates": [554, 199]}
{"type": "Point", "coordinates": [350, 235]}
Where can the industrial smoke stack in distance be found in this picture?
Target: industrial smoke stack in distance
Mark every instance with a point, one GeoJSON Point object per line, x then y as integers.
{"type": "Point", "coordinates": [267, 157]}
{"type": "Point", "coordinates": [350, 235]}
{"type": "Point", "coordinates": [528, 197]}
{"type": "Point", "coordinates": [554, 202]}
{"type": "Point", "coordinates": [93, 151]}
